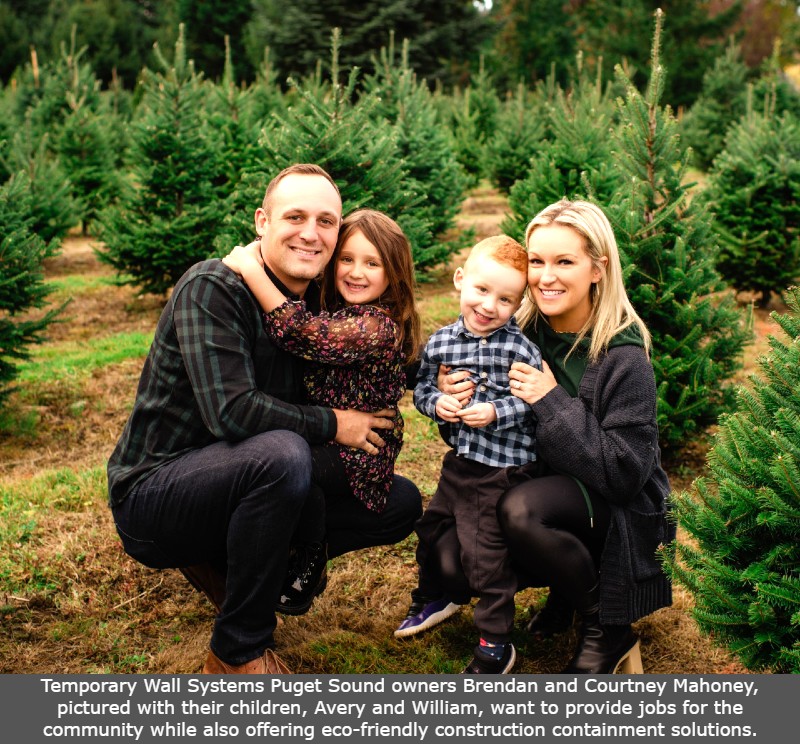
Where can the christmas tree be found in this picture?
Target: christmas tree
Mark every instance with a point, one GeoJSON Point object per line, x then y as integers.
{"type": "Point", "coordinates": [22, 286]}
{"type": "Point", "coordinates": [743, 563]}
{"type": "Point", "coordinates": [171, 212]}
{"type": "Point", "coordinates": [668, 248]}
{"type": "Point", "coordinates": [352, 142]}
{"type": "Point", "coordinates": [575, 157]}
{"type": "Point", "coordinates": [753, 190]}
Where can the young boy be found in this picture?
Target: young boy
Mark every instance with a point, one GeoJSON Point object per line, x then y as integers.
{"type": "Point", "coordinates": [493, 448]}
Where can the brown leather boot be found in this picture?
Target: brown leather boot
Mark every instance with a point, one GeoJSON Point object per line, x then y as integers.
{"type": "Point", "coordinates": [268, 663]}
{"type": "Point", "coordinates": [208, 579]}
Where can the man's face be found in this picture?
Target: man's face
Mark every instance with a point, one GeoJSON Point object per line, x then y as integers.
{"type": "Point", "coordinates": [299, 234]}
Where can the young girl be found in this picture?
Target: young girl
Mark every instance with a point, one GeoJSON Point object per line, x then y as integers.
{"type": "Point", "coordinates": [361, 343]}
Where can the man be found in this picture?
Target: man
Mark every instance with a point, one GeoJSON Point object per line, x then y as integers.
{"type": "Point", "coordinates": [213, 467]}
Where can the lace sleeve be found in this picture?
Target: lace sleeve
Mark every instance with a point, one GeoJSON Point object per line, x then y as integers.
{"type": "Point", "coordinates": [344, 337]}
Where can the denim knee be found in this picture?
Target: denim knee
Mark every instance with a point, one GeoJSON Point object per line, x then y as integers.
{"type": "Point", "coordinates": [283, 460]}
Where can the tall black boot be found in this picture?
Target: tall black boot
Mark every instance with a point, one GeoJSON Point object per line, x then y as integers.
{"type": "Point", "coordinates": [555, 617]}
{"type": "Point", "coordinates": [603, 649]}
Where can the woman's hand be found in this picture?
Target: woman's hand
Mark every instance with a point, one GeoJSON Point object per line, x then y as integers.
{"type": "Point", "coordinates": [244, 258]}
{"type": "Point", "coordinates": [456, 384]}
{"type": "Point", "coordinates": [529, 383]}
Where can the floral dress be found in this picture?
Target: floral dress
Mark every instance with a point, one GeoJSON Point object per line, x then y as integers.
{"type": "Point", "coordinates": [357, 365]}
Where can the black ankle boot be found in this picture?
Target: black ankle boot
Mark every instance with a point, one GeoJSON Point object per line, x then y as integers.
{"type": "Point", "coordinates": [604, 649]}
{"type": "Point", "coordinates": [306, 578]}
{"type": "Point", "coordinates": [555, 617]}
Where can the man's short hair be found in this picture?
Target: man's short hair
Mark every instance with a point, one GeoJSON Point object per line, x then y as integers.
{"type": "Point", "coordinates": [300, 169]}
{"type": "Point", "coordinates": [504, 250]}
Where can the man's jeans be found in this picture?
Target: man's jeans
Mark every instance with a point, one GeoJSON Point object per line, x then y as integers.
{"type": "Point", "coordinates": [233, 504]}
{"type": "Point", "coordinates": [237, 505]}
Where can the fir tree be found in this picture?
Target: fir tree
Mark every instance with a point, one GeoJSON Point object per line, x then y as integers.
{"type": "Point", "coordinates": [168, 218]}
{"type": "Point", "coordinates": [668, 250]}
{"type": "Point", "coordinates": [22, 285]}
{"type": "Point", "coordinates": [720, 104]}
{"type": "Point", "coordinates": [753, 189]}
{"type": "Point", "coordinates": [407, 105]}
{"type": "Point", "coordinates": [88, 149]}
{"type": "Point", "coordinates": [743, 517]}
{"type": "Point", "coordinates": [53, 207]}
{"type": "Point", "coordinates": [518, 136]}
{"type": "Point", "coordinates": [574, 158]}
{"type": "Point", "coordinates": [352, 143]}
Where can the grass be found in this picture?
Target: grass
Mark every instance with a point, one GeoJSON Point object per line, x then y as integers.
{"type": "Point", "coordinates": [71, 601]}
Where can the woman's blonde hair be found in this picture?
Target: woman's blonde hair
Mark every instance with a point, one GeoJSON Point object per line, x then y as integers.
{"type": "Point", "coordinates": [612, 311]}
{"type": "Point", "coordinates": [399, 298]}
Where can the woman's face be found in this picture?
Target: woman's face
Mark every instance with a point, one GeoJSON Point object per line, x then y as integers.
{"type": "Point", "coordinates": [560, 276]}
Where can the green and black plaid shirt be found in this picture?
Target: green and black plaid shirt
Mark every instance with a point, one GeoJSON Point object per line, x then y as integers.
{"type": "Point", "coordinates": [212, 374]}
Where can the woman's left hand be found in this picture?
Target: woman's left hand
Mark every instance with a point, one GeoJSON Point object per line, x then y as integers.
{"type": "Point", "coordinates": [529, 383]}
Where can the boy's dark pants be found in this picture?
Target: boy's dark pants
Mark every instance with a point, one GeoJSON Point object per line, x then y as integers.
{"type": "Point", "coordinates": [467, 494]}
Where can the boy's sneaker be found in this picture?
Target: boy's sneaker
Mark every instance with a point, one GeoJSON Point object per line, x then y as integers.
{"type": "Point", "coordinates": [424, 614]}
{"type": "Point", "coordinates": [306, 578]}
{"type": "Point", "coordinates": [483, 663]}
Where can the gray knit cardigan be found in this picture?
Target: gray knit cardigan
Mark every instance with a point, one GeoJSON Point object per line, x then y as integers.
{"type": "Point", "coordinates": [607, 437]}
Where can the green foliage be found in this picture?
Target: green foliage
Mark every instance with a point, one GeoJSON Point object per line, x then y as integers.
{"type": "Point", "coordinates": [743, 567]}
{"type": "Point", "coordinates": [22, 287]}
{"type": "Point", "coordinates": [532, 38]}
{"type": "Point", "coordinates": [668, 250]}
{"type": "Point", "coordinates": [86, 146]}
{"type": "Point", "coordinates": [574, 160]}
{"type": "Point", "coordinates": [52, 205]}
{"type": "Point", "coordinates": [518, 135]}
{"type": "Point", "coordinates": [618, 32]}
{"type": "Point", "coordinates": [444, 36]}
{"type": "Point", "coordinates": [168, 217]}
{"type": "Point", "coordinates": [754, 190]}
{"type": "Point", "coordinates": [721, 102]}
{"type": "Point", "coordinates": [433, 170]}
{"type": "Point", "coordinates": [357, 148]}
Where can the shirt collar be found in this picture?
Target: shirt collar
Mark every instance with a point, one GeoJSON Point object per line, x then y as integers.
{"type": "Point", "coordinates": [460, 329]}
{"type": "Point", "coordinates": [311, 296]}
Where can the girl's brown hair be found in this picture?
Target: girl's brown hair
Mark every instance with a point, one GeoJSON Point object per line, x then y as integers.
{"type": "Point", "coordinates": [399, 298]}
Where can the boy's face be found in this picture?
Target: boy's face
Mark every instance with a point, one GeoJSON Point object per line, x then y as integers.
{"type": "Point", "coordinates": [491, 293]}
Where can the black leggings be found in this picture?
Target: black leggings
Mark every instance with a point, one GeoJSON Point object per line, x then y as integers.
{"type": "Point", "coordinates": [552, 539]}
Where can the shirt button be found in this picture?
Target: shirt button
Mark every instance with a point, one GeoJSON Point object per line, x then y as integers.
{"type": "Point", "coordinates": [484, 375]}
{"type": "Point", "coordinates": [482, 388]}
{"type": "Point", "coordinates": [484, 341]}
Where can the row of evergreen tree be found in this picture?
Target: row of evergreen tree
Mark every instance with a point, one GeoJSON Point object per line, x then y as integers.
{"type": "Point", "coordinates": [171, 173]}
{"type": "Point", "coordinates": [520, 39]}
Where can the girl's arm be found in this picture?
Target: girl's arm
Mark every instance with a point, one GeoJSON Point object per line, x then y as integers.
{"type": "Point", "coordinates": [246, 261]}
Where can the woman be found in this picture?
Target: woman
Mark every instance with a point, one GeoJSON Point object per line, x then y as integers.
{"type": "Point", "coordinates": [590, 527]}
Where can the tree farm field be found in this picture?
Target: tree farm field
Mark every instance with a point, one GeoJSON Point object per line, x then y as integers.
{"type": "Point", "coordinates": [71, 601]}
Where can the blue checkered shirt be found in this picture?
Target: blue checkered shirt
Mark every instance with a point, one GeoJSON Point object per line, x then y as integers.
{"type": "Point", "coordinates": [510, 439]}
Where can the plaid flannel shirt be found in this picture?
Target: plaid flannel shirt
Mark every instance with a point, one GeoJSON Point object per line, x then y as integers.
{"type": "Point", "coordinates": [510, 439]}
{"type": "Point", "coordinates": [212, 374]}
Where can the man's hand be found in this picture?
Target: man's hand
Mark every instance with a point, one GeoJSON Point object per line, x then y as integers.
{"type": "Point", "coordinates": [481, 414]}
{"type": "Point", "coordinates": [355, 428]}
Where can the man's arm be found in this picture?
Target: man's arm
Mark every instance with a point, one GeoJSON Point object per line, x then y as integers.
{"type": "Point", "coordinates": [217, 327]}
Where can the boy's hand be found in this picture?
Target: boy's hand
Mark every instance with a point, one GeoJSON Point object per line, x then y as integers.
{"type": "Point", "coordinates": [447, 408]}
{"type": "Point", "coordinates": [479, 415]}
{"type": "Point", "coordinates": [244, 258]}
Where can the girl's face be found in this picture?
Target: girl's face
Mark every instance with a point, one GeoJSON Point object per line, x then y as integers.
{"type": "Point", "coordinates": [360, 275]}
{"type": "Point", "coordinates": [560, 276]}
